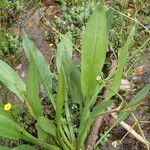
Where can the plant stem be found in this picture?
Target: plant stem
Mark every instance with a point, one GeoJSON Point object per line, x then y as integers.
{"type": "Point", "coordinates": [85, 117]}
{"type": "Point", "coordinates": [65, 138]}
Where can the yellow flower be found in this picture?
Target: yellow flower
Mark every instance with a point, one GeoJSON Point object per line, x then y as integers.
{"type": "Point", "coordinates": [7, 106]}
{"type": "Point", "coordinates": [129, 14]}
{"type": "Point", "coordinates": [51, 44]}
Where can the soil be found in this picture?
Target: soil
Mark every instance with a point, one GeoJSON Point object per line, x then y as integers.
{"type": "Point", "coordinates": [32, 22]}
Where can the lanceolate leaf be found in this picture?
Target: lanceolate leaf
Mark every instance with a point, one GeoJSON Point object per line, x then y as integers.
{"type": "Point", "coordinates": [121, 63]}
{"type": "Point", "coordinates": [93, 52]}
{"type": "Point", "coordinates": [42, 135]}
{"type": "Point", "coordinates": [9, 129]}
{"type": "Point", "coordinates": [93, 55]}
{"type": "Point", "coordinates": [32, 94]}
{"type": "Point", "coordinates": [61, 93]}
{"type": "Point", "coordinates": [42, 67]}
{"type": "Point", "coordinates": [114, 88]}
{"type": "Point", "coordinates": [11, 80]}
{"type": "Point", "coordinates": [12, 130]}
{"type": "Point", "coordinates": [47, 126]}
{"type": "Point", "coordinates": [65, 46]}
{"type": "Point", "coordinates": [72, 75]}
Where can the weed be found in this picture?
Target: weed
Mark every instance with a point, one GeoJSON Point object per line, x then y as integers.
{"type": "Point", "coordinates": [77, 88]}
{"type": "Point", "coordinates": [10, 47]}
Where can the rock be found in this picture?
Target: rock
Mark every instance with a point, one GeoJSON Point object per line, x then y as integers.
{"type": "Point", "coordinates": [125, 85]}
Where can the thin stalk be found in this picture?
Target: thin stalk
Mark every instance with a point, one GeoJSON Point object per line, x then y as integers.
{"type": "Point", "coordinates": [63, 145]}
{"type": "Point", "coordinates": [86, 120]}
{"type": "Point", "coordinates": [139, 50]}
{"type": "Point", "coordinates": [144, 121]}
{"type": "Point", "coordinates": [146, 142]}
{"type": "Point", "coordinates": [111, 48]}
{"type": "Point", "coordinates": [84, 132]}
{"type": "Point", "coordinates": [127, 133]}
{"type": "Point", "coordinates": [70, 125]}
{"type": "Point", "coordinates": [65, 138]}
{"type": "Point", "coordinates": [61, 35]}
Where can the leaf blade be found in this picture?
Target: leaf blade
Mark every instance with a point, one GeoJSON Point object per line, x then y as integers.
{"type": "Point", "coordinates": [42, 66]}
{"type": "Point", "coordinates": [93, 51]}
{"type": "Point", "coordinates": [11, 132]}
{"type": "Point", "coordinates": [73, 80]}
{"type": "Point", "coordinates": [47, 126]}
{"type": "Point", "coordinates": [114, 87]}
{"type": "Point", "coordinates": [61, 93]}
{"type": "Point", "coordinates": [32, 92]}
{"type": "Point", "coordinates": [11, 80]}
{"type": "Point", "coordinates": [65, 45]}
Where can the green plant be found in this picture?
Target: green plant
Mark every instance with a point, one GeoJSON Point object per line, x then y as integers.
{"type": "Point", "coordinates": [10, 47]}
{"type": "Point", "coordinates": [75, 88]}
{"type": "Point", "coordinates": [3, 4]}
{"type": "Point", "coordinates": [78, 2]}
{"type": "Point", "coordinates": [72, 19]}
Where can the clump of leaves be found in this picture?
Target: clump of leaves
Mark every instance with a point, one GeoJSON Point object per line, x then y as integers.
{"type": "Point", "coordinates": [73, 86]}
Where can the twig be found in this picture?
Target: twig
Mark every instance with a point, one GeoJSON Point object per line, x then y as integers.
{"type": "Point", "coordinates": [129, 129]}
